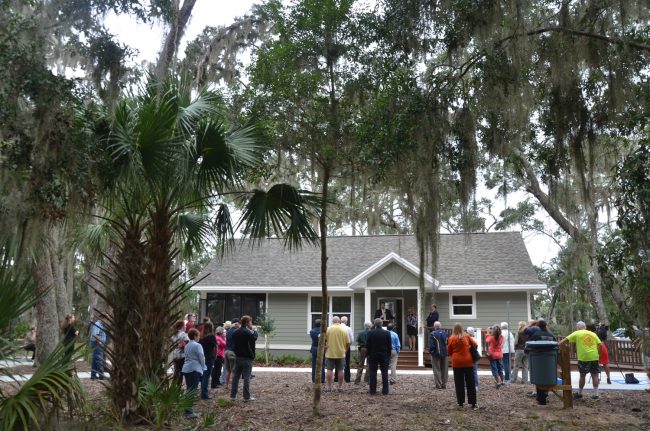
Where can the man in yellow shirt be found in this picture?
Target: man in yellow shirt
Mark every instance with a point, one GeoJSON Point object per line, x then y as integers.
{"type": "Point", "coordinates": [588, 350]}
{"type": "Point", "coordinates": [338, 342]}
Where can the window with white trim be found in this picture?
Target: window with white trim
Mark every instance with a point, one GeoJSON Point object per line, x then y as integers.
{"type": "Point", "coordinates": [462, 306]}
{"type": "Point", "coordinates": [338, 306]}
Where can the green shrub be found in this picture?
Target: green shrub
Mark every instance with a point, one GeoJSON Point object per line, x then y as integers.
{"type": "Point", "coordinates": [162, 401]}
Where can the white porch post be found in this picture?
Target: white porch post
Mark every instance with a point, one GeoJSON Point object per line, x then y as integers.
{"type": "Point", "coordinates": [420, 332]}
{"type": "Point", "coordinates": [366, 304]}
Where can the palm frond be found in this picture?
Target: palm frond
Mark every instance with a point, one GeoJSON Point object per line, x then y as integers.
{"type": "Point", "coordinates": [283, 211]}
{"type": "Point", "coordinates": [54, 383]}
{"type": "Point", "coordinates": [205, 105]}
{"type": "Point", "coordinates": [194, 231]}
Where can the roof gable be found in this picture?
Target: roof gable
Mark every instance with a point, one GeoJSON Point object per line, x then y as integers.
{"type": "Point", "coordinates": [390, 258]}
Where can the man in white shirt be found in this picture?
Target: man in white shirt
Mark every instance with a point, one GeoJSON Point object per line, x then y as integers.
{"type": "Point", "coordinates": [346, 373]}
{"type": "Point", "coordinates": [508, 348]}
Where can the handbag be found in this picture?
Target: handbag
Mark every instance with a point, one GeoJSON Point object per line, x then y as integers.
{"type": "Point", "coordinates": [630, 379]}
{"type": "Point", "coordinates": [475, 354]}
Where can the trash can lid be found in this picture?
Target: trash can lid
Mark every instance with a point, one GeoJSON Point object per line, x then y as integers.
{"type": "Point", "coordinates": [542, 345]}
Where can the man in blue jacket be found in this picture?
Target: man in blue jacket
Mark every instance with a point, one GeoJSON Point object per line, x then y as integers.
{"type": "Point", "coordinates": [315, 335]}
{"type": "Point", "coordinates": [439, 361]}
{"type": "Point", "coordinates": [98, 340]}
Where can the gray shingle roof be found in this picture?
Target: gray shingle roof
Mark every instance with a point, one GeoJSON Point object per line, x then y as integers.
{"type": "Point", "coordinates": [465, 259]}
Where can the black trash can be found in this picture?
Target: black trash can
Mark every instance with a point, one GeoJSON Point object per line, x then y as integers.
{"type": "Point", "coordinates": [542, 361]}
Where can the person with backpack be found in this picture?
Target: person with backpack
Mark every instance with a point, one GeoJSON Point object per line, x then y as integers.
{"type": "Point", "coordinates": [458, 347]}
{"type": "Point", "coordinates": [179, 341]}
{"type": "Point", "coordinates": [494, 341]}
{"type": "Point", "coordinates": [439, 361]}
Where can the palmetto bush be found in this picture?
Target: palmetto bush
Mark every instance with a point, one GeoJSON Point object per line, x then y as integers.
{"type": "Point", "coordinates": [175, 163]}
{"type": "Point", "coordinates": [162, 400]}
{"type": "Point", "coordinates": [54, 386]}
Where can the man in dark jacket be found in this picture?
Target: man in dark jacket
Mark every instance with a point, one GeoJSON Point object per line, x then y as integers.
{"type": "Point", "coordinates": [378, 345]}
{"type": "Point", "coordinates": [243, 344]}
{"type": "Point", "coordinates": [315, 335]}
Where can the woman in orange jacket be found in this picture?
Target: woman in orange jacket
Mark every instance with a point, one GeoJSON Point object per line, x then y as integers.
{"type": "Point", "coordinates": [462, 364]}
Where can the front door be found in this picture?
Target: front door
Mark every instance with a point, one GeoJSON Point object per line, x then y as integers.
{"type": "Point", "coordinates": [396, 306]}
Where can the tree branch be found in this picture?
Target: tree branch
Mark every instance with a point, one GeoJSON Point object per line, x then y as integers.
{"type": "Point", "coordinates": [535, 189]}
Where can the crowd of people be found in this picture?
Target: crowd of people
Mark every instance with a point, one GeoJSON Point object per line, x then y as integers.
{"type": "Point", "coordinates": [378, 347]}
{"type": "Point", "coordinates": [214, 358]}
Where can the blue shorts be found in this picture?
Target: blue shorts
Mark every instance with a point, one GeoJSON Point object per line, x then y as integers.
{"type": "Point", "coordinates": [496, 365]}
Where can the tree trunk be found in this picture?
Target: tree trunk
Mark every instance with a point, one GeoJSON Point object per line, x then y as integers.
{"type": "Point", "coordinates": [47, 321]}
{"type": "Point", "coordinates": [590, 244]}
{"type": "Point", "coordinates": [176, 30]}
{"type": "Point", "coordinates": [324, 293]}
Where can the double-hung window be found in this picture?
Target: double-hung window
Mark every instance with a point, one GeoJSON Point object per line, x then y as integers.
{"type": "Point", "coordinates": [338, 306]}
{"type": "Point", "coordinates": [462, 305]}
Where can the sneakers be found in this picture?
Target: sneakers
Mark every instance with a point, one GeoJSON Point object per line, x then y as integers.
{"type": "Point", "coordinates": [595, 397]}
{"type": "Point", "coordinates": [249, 399]}
{"type": "Point", "coordinates": [327, 391]}
{"type": "Point", "coordinates": [475, 407]}
{"type": "Point", "coordinates": [339, 390]}
{"type": "Point", "coordinates": [577, 396]}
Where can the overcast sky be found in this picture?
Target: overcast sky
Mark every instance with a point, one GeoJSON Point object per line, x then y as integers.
{"type": "Point", "coordinates": [147, 39]}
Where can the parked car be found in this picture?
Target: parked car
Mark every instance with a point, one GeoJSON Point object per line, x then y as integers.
{"type": "Point", "coordinates": [620, 334]}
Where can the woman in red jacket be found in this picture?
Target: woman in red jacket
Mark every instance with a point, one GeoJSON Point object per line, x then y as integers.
{"type": "Point", "coordinates": [462, 364]}
{"type": "Point", "coordinates": [494, 341]}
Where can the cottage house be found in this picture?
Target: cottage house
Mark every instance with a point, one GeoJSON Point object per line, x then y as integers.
{"type": "Point", "coordinates": [483, 279]}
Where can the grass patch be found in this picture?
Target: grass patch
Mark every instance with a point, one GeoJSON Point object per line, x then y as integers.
{"type": "Point", "coordinates": [224, 402]}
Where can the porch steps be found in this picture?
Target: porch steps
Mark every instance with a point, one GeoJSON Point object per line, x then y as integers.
{"type": "Point", "coordinates": [408, 360]}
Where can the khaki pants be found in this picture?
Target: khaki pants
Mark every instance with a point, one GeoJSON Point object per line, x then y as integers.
{"type": "Point", "coordinates": [393, 366]}
{"type": "Point", "coordinates": [362, 360]}
{"type": "Point", "coordinates": [440, 366]}
{"type": "Point", "coordinates": [521, 363]}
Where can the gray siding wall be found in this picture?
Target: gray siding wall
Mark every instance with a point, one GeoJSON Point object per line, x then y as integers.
{"type": "Point", "coordinates": [393, 275]}
{"type": "Point", "coordinates": [359, 309]}
{"type": "Point", "coordinates": [289, 311]}
{"type": "Point", "coordinates": [491, 308]}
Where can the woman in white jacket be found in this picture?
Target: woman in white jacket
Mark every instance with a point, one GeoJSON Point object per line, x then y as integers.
{"type": "Point", "coordinates": [508, 348]}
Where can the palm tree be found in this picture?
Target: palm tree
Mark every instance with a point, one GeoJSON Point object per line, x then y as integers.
{"type": "Point", "coordinates": [176, 164]}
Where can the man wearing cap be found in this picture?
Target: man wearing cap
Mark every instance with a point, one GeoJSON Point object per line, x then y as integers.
{"type": "Point", "coordinates": [230, 356]}
{"type": "Point", "coordinates": [588, 348]}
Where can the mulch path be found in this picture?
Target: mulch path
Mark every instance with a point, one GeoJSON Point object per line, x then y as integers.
{"type": "Point", "coordinates": [284, 400]}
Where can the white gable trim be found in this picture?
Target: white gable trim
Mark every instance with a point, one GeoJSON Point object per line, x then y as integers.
{"type": "Point", "coordinates": [359, 281]}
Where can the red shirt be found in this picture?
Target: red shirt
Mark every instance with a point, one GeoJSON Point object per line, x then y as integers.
{"type": "Point", "coordinates": [495, 347]}
{"type": "Point", "coordinates": [221, 346]}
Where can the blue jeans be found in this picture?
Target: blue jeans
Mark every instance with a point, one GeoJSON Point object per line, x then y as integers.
{"type": "Point", "coordinates": [192, 382]}
{"type": "Point", "coordinates": [496, 365]}
{"type": "Point", "coordinates": [97, 366]}
{"type": "Point", "coordinates": [313, 368]}
{"type": "Point", "coordinates": [506, 365]}
{"type": "Point", "coordinates": [243, 369]}
{"type": "Point", "coordinates": [476, 373]}
{"type": "Point", "coordinates": [380, 360]}
{"type": "Point", "coordinates": [205, 378]}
